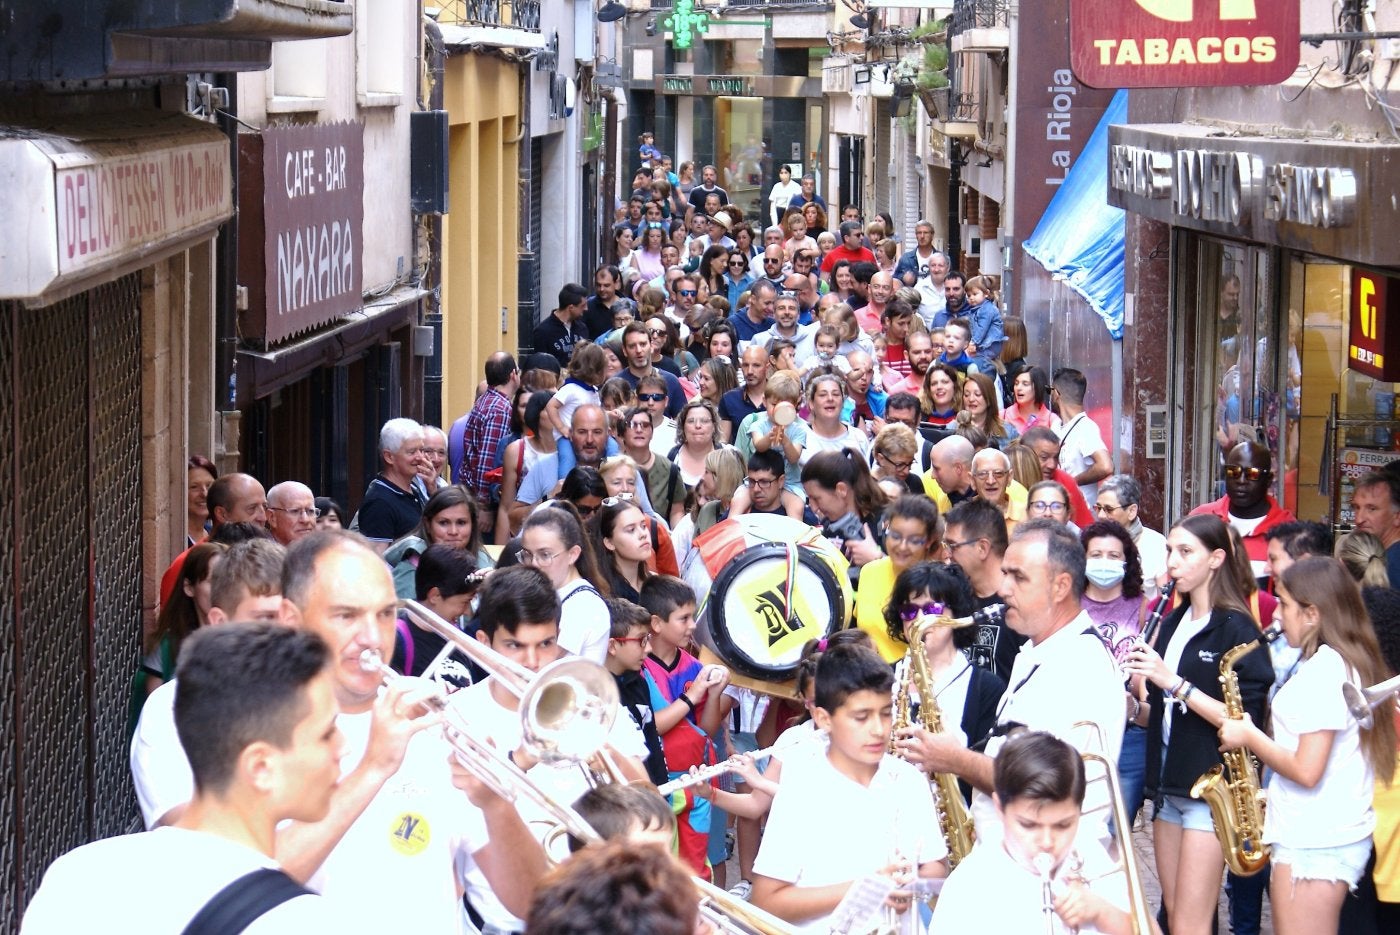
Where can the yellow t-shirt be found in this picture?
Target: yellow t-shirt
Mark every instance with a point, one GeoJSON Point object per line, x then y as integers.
{"type": "Point", "coordinates": [1386, 803]}
{"type": "Point", "coordinates": [872, 594]}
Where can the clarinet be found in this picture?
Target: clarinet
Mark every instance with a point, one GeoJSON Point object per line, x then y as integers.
{"type": "Point", "coordinates": [1159, 610]}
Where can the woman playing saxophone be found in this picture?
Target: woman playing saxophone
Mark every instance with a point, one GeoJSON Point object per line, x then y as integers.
{"type": "Point", "coordinates": [1187, 705]}
{"type": "Point", "coordinates": [1319, 818]}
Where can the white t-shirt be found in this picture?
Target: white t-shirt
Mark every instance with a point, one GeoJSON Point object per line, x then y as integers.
{"type": "Point", "coordinates": [404, 842]}
{"type": "Point", "coordinates": [990, 891]}
{"type": "Point", "coordinates": [1080, 440]}
{"type": "Point", "coordinates": [584, 624]}
{"type": "Point", "coordinates": [1185, 632]}
{"type": "Point", "coordinates": [1067, 678]}
{"type": "Point", "coordinates": [663, 437]}
{"type": "Point", "coordinates": [852, 438]}
{"type": "Point", "coordinates": [93, 887]}
{"type": "Point", "coordinates": [826, 828]}
{"type": "Point", "coordinates": [158, 764]}
{"type": "Point", "coordinates": [501, 725]}
{"type": "Point", "coordinates": [1245, 526]}
{"type": "Point", "coordinates": [1338, 809]}
{"type": "Point", "coordinates": [571, 395]}
{"type": "Point", "coordinates": [1152, 552]}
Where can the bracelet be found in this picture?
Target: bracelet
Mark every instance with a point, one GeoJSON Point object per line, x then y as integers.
{"type": "Point", "coordinates": [1177, 687]}
{"type": "Point", "coordinates": [1186, 693]}
{"type": "Point", "coordinates": [686, 700]}
{"type": "Point", "coordinates": [1137, 709]}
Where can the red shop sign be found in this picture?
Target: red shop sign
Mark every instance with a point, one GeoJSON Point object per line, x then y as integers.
{"type": "Point", "coordinates": [1373, 344]}
{"type": "Point", "coordinates": [1183, 43]}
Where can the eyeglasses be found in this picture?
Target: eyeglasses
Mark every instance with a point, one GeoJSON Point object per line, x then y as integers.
{"type": "Point", "coordinates": [954, 545]}
{"type": "Point", "coordinates": [526, 557]}
{"type": "Point", "coordinates": [1106, 509]}
{"type": "Point", "coordinates": [1048, 506]}
{"type": "Point", "coordinates": [644, 639]}
{"type": "Point", "coordinates": [303, 513]}
{"type": "Point", "coordinates": [687, 292]}
{"type": "Point", "coordinates": [760, 483]}
{"type": "Point", "coordinates": [1235, 472]}
{"type": "Point", "coordinates": [914, 542]}
{"type": "Point", "coordinates": [897, 465]}
{"type": "Point", "coordinates": [651, 397]}
{"type": "Point", "coordinates": [911, 612]}
{"type": "Point", "coordinates": [619, 499]}
{"type": "Point", "coordinates": [990, 475]}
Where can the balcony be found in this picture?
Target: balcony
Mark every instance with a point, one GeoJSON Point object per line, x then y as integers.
{"type": "Point", "coordinates": [954, 113]}
{"type": "Point", "coordinates": [507, 14]}
{"type": "Point", "coordinates": [980, 26]}
{"type": "Point", "coordinates": [74, 40]}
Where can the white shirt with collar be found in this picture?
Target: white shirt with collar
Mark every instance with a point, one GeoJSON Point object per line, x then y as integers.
{"type": "Point", "coordinates": [1067, 678]}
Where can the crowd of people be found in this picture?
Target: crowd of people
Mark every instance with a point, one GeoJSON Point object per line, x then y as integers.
{"type": "Point", "coordinates": [286, 744]}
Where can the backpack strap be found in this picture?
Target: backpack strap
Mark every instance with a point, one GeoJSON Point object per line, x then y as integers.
{"type": "Point", "coordinates": [244, 901]}
{"type": "Point", "coordinates": [581, 589]}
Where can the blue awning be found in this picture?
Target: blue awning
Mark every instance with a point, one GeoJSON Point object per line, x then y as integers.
{"type": "Point", "coordinates": [1079, 239]}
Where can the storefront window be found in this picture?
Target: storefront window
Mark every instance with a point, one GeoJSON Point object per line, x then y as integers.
{"type": "Point", "coordinates": [739, 144]}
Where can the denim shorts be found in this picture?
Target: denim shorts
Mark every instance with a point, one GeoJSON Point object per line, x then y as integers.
{"type": "Point", "coordinates": [1344, 863]}
{"type": "Point", "coordinates": [1191, 814]}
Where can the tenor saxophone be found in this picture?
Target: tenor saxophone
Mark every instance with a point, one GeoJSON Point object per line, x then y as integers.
{"type": "Point", "coordinates": [953, 818]}
{"type": "Point", "coordinates": [1232, 789]}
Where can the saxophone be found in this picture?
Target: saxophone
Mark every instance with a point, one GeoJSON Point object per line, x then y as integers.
{"type": "Point", "coordinates": [953, 818]}
{"type": "Point", "coordinates": [1232, 789]}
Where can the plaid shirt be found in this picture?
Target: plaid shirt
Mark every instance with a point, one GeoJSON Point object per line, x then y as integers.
{"type": "Point", "coordinates": [487, 424]}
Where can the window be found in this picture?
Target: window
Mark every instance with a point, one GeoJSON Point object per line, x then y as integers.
{"type": "Point", "coordinates": [299, 76]}
{"type": "Point", "coordinates": [380, 55]}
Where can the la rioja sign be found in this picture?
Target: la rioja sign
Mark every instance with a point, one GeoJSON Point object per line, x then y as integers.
{"type": "Point", "coordinates": [1183, 43]}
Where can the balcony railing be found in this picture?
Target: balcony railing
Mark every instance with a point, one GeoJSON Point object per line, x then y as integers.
{"type": "Point", "coordinates": [980, 26]}
{"type": "Point", "coordinates": [514, 14]}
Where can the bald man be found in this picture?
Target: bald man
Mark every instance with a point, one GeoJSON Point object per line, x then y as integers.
{"type": "Point", "coordinates": [291, 511]}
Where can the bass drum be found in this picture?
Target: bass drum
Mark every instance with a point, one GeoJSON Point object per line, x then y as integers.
{"type": "Point", "coordinates": [766, 585]}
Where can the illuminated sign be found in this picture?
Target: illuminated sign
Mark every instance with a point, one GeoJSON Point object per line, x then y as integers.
{"type": "Point", "coordinates": [687, 20]}
{"type": "Point", "coordinates": [1183, 43]}
{"type": "Point", "coordinates": [1373, 348]}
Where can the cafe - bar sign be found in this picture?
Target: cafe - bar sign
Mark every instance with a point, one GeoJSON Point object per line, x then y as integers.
{"type": "Point", "coordinates": [1183, 43]}
{"type": "Point", "coordinates": [1373, 344]}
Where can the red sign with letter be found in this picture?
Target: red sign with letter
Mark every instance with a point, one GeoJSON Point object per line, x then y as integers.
{"type": "Point", "coordinates": [1183, 43]}
{"type": "Point", "coordinates": [1373, 348]}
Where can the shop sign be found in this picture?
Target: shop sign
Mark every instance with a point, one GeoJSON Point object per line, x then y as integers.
{"type": "Point", "coordinates": [1183, 43]}
{"type": "Point", "coordinates": [677, 84]}
{"type": "Point", "coordinates": [313, 212]}
{"type": "Point", "coordinates": [109, 205]}
{"type": "Point", "coordinates": [1373, 344]}
{"type": "Point", "coordinates": [1302, 194]}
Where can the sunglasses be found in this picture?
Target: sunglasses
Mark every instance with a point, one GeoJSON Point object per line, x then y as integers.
{"type": "Point", "coordinates": [687, 292]}
{"type": "Point", "coordinates": [911, 612]}
{"type": "Point", "coordinates": [660, 331]}
{"type": "Point", "coordinates": [1235, 472]}
{"type": "Point", "coordinates": [738, 264]}
{"type": "Point", "coordinates": [651, 397]}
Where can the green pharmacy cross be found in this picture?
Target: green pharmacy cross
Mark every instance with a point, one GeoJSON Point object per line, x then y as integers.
{"type": "Point", "coordinates": [685, 22]}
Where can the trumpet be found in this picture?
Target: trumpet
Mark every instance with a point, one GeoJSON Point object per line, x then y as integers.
{"type": "Point", "coordinates": [1362, 702]}
{"type": "Point", "coordinates": [567, 710]}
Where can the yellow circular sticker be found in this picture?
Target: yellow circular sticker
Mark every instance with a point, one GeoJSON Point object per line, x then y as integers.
{"type": "Point", "coordinates": [409, 835]}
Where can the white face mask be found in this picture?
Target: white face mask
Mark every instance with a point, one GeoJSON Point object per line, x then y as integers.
{"type": "Point", "coordinates": [1103, 572]}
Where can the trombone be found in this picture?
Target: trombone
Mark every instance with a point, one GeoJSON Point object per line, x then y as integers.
{"type": "Point", "coordinates": [1362, 702]}
{"type": "Point", "coordinates": [566, 710]}
{"type": "Point", "coordinates": [1143, 924]}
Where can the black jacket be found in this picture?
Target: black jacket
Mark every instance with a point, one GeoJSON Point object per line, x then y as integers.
{"type": "Point", "coordinates": [1195, 744]}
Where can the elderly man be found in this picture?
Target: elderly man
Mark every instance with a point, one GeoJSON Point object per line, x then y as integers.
{"type": "Point", "coordinates": [786, 311]}
{"type": "Point", "coordinates": [1063, 678]}
{"type": "Point", "coordinates": [396, 822]}
{"type": "Point", "coordinates": [432, 473]}
{"type": "Point", "coordinates": [992, 481]}
{"type": "Point", "coordinates": [291, 511]}
{"type": "Point", "coordinates": [852, 248]}
{"type": "Point", "coordinates": [393, 504]}
{"type": "Point", "coordinates": [1247, 504]}
{"type": "Point", "coordinates": [1118, 500]}
{"type": "Point", "coordinates": [808, 194]}
{"type": "Point", "coordinates": [933, 304]}
{"type": "Point", "coordinates": [743, 401]}
{"type": "Point", "coordinates": [757, 316]}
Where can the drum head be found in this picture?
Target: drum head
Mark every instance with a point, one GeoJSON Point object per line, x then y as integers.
{"type": "Point", "coordinates": [761, 611]}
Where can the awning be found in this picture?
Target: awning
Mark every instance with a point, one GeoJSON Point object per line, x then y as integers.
{"type": "Point", "coordinates": [1079, 239]}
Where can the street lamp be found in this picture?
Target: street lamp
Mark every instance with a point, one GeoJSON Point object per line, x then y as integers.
{"type": "Point", "coordinates": [611, 12]}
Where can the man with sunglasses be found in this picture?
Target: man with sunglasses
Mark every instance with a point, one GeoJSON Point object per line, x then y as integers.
{"type": "Point", "coordinates": [771, 266]}
{"type": "Point", "coordinates": [1247, 505]}
{"type": "Point", "coordinates": [851, 249]}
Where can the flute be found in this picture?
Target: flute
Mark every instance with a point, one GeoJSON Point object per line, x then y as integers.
{"type": "Point", "coordinates": [719, 769]}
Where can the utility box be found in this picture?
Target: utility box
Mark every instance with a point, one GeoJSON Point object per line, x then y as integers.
{"type": "Point", "coordinates": [428, 158]}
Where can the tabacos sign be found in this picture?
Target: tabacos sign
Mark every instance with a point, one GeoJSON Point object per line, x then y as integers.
{"type": "Point", "coordinates": [1183, 43]}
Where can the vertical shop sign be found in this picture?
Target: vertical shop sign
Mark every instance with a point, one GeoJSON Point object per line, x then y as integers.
{"type": "Point", "coordinates": [1373, 345]}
